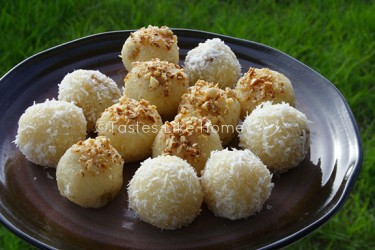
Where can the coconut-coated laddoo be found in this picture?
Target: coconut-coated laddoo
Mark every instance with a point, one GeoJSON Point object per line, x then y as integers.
{"type": "Point", "coordinates": [131, 126]}
{"type": "Point", "coordinates": [236, 184]}
{"type": "Point", "coordinates": [159, 82]}
{"type": "Point", "coordinates": [89, 174]}
{"type": "Point", "coordinates": [46, 130]}
{"type": "Point", "coordinates": [90, 90]}
{"type": "Point", "coordinates": [191, 138]}
{"type": "Point", "coordinates": [220, 106]}
{"type": "Point", "coordinates": [150, 43]}
{"type": "Point", "coordinates": [260, 85]}
{"type": "Point", "coordinates": [165, 192]}
{"type": "Point", "coordinates": [278, 134]}
{"type": "Point", "coordinates": [213, 61]}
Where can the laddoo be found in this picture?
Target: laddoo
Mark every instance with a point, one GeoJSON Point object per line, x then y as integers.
{"type": "Point", "coordinates": [90, 90]}
{"type": "Point", "coordinates": [220, 106]}
{"type": "Point", "coordinates": [150, 43]}
{"type": "Point", "coordinates": [165, 192]}
{"type": "Point", "coordinates": [236, 184]}
{"type": "Point", "coordinates": [46, 130]}
{"type": "Point", "coordinates": [159, 82]}
{"type": "Point", "coordinates": [213, 61]}
{"type": "Point", "coordinates": [260, 85]}
{"type": "Point", "coordinates": [191, 138]}
{"type": "Point", "coordinates": [278, 134]}
{"type": "Point", "coordinates": [131, 126]}
{"type": "Point", "coordinates": [89, 174]}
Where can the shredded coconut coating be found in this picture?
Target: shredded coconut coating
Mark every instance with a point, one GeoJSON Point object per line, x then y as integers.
{"type": "Point", "coordinates": [90, 90]}
{"type": "Point", "coordinates": [159, 82]}
{"type": "Point", "coordinates": [150, 43]}
{"type": "Point", "coordinates": [131, 126]}
{"type": "Point", "coordinates": [46, 130]}
{"type": "Point", "coordinates": [165, 192]}
{"type": "Point", "coordinates": [278, 134]}
{"type": "Point", "coordinates": [220, 106]}
{"type": "Point", "coordinates": [213, 61]}
{"type": "Point", "coordinates": [260, 85]}
{"type": "Point", "coordinates": [236, 184]}
{"type": "Point", "coordinates": [191, 138]}
{"type": "Point", "coordinates": [90, 172]}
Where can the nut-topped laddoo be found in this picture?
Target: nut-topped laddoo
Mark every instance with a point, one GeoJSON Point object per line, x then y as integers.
{"type": "Point", "coordinates": [160, 82]}
{"type": "Point", "coordinates": [131, 126]}
{"type": "Point", "coordinates": [213, 61]}
{"type": "Point", "coordinates": [220, 106]}
{"type": "Point", "coordinates": [150, 43]}
{"type": "Point", "coordinates": [90, 172]}
{"type": "Point", "coordinates": [189, 137]}
{"type": "Point", "coordinates": [260, 85]}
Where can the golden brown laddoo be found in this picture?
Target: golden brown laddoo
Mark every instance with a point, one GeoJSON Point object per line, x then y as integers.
{"type": "Point", "coordinates": [131, 126]}
{"type": "Point", "coordinates": [260, 85]}
{"type": "Point", "coordinates": [149, 43]}
{"type": "Point", "coordinates": [191, 138]}
{"type": "Point", "coordinates": [159, 82]}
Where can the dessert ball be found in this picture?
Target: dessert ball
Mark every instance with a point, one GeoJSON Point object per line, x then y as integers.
{"type": "Point", "coordinates": [260, 85]}
{"type": "Point", "coordinates": [188, 137]}
{"type": "Point", "coordinates": [46, 130]}
{"type": "Point", "coordinates": [165, 192]}
{"type": "Point", "coordinates": [90, 90]}
{"type": "Point", "coordinates": [213, 61]}
{"type": "Point", "coordinates": [159, 82]}
{"type": "Point", "coordinates": [278, 134]}
{"type": "Point", "coordinates": [131, 126]}
{"type": "Point", "coordinates": [220, 106]}
{"type": "Point", "coordinates": [149, 43]}
{"type": "Point", "coordinates": [235, 183]}
{"type": "Point", "coordinates": [90, 173]}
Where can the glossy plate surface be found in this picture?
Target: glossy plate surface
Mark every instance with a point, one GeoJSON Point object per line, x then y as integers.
{"type": "Point", "coordinates": [302, 200]}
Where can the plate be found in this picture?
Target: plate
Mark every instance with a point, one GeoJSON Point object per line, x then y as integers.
{"type": "Point", "coordinates": [302, 200]}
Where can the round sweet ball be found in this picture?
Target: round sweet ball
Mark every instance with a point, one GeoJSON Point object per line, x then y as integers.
{"type": "Point", "coordinates": [278, 134]}
{"type": "Point", "coordinates": [131, 126]}
{"type": "Point", "coordinates": [149, 43]}
{"type": "Point", "coordinates": [89, 174]}
{"type": "Point", "coordinates": [220, 106]}
{"type": "Point", "coordinates": [159, 82]}
{"type": "Point", "coordinates": [90, 90]}
{"type": "Point", "coordinates": [165, 192]}
{"type": "Point", "coordinates": [46, 130]}
{"type": "Point", "coordinates": [236, 184]}
{"type": "Point", "coordinates": [260, 85]}
{"type": "Point", "coordinates": [213, 61]}
{"type": "Point", "coordinates": [188, 137]}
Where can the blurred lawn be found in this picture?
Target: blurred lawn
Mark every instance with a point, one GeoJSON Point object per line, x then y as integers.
{"type": "Point", "coordinates": [336, 38]}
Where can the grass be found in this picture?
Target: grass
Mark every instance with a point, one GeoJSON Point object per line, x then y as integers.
{"type": "Point", "coordinates": [336, 38]}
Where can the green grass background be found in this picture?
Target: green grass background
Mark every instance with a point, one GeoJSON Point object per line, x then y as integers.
{"type": "Point", "coordinates": [335, 38]}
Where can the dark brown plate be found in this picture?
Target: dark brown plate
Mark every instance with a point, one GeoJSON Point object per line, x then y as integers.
{"type": "Point", "coordinates": [303, 199]}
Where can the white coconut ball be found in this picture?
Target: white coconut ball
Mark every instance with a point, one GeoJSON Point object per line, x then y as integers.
{"type": "Point", "coordinates": [90, 90]}
{"type": "Point", "coordinates": [278, 134]}
{"type": "Point", "coordinates": [131, 126]}
{"type": "Point", "coordinates": [236, 184]}
{"type": "Point", "coordinates": [46, 130]}
{"type": "Point", "coordinates": [150, 43]}
{"type": "Point", "coordinates": [206, 99]}
{"type": "Point", "coordinates": [260, 85]}
{"type": "Point", "coordinates": [213, 61]}
{"type": "Point", "coordinates": [191, 138]}
{"type": "Point", "coordinates": [90, 173]}
{"type": "Point", "coordinates": [159, 82]}
{"type": "Point", "coordinates": [165, 192]}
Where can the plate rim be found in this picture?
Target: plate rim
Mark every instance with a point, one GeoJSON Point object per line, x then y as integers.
{"type": "Point", "coordinates": [298, 235]}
